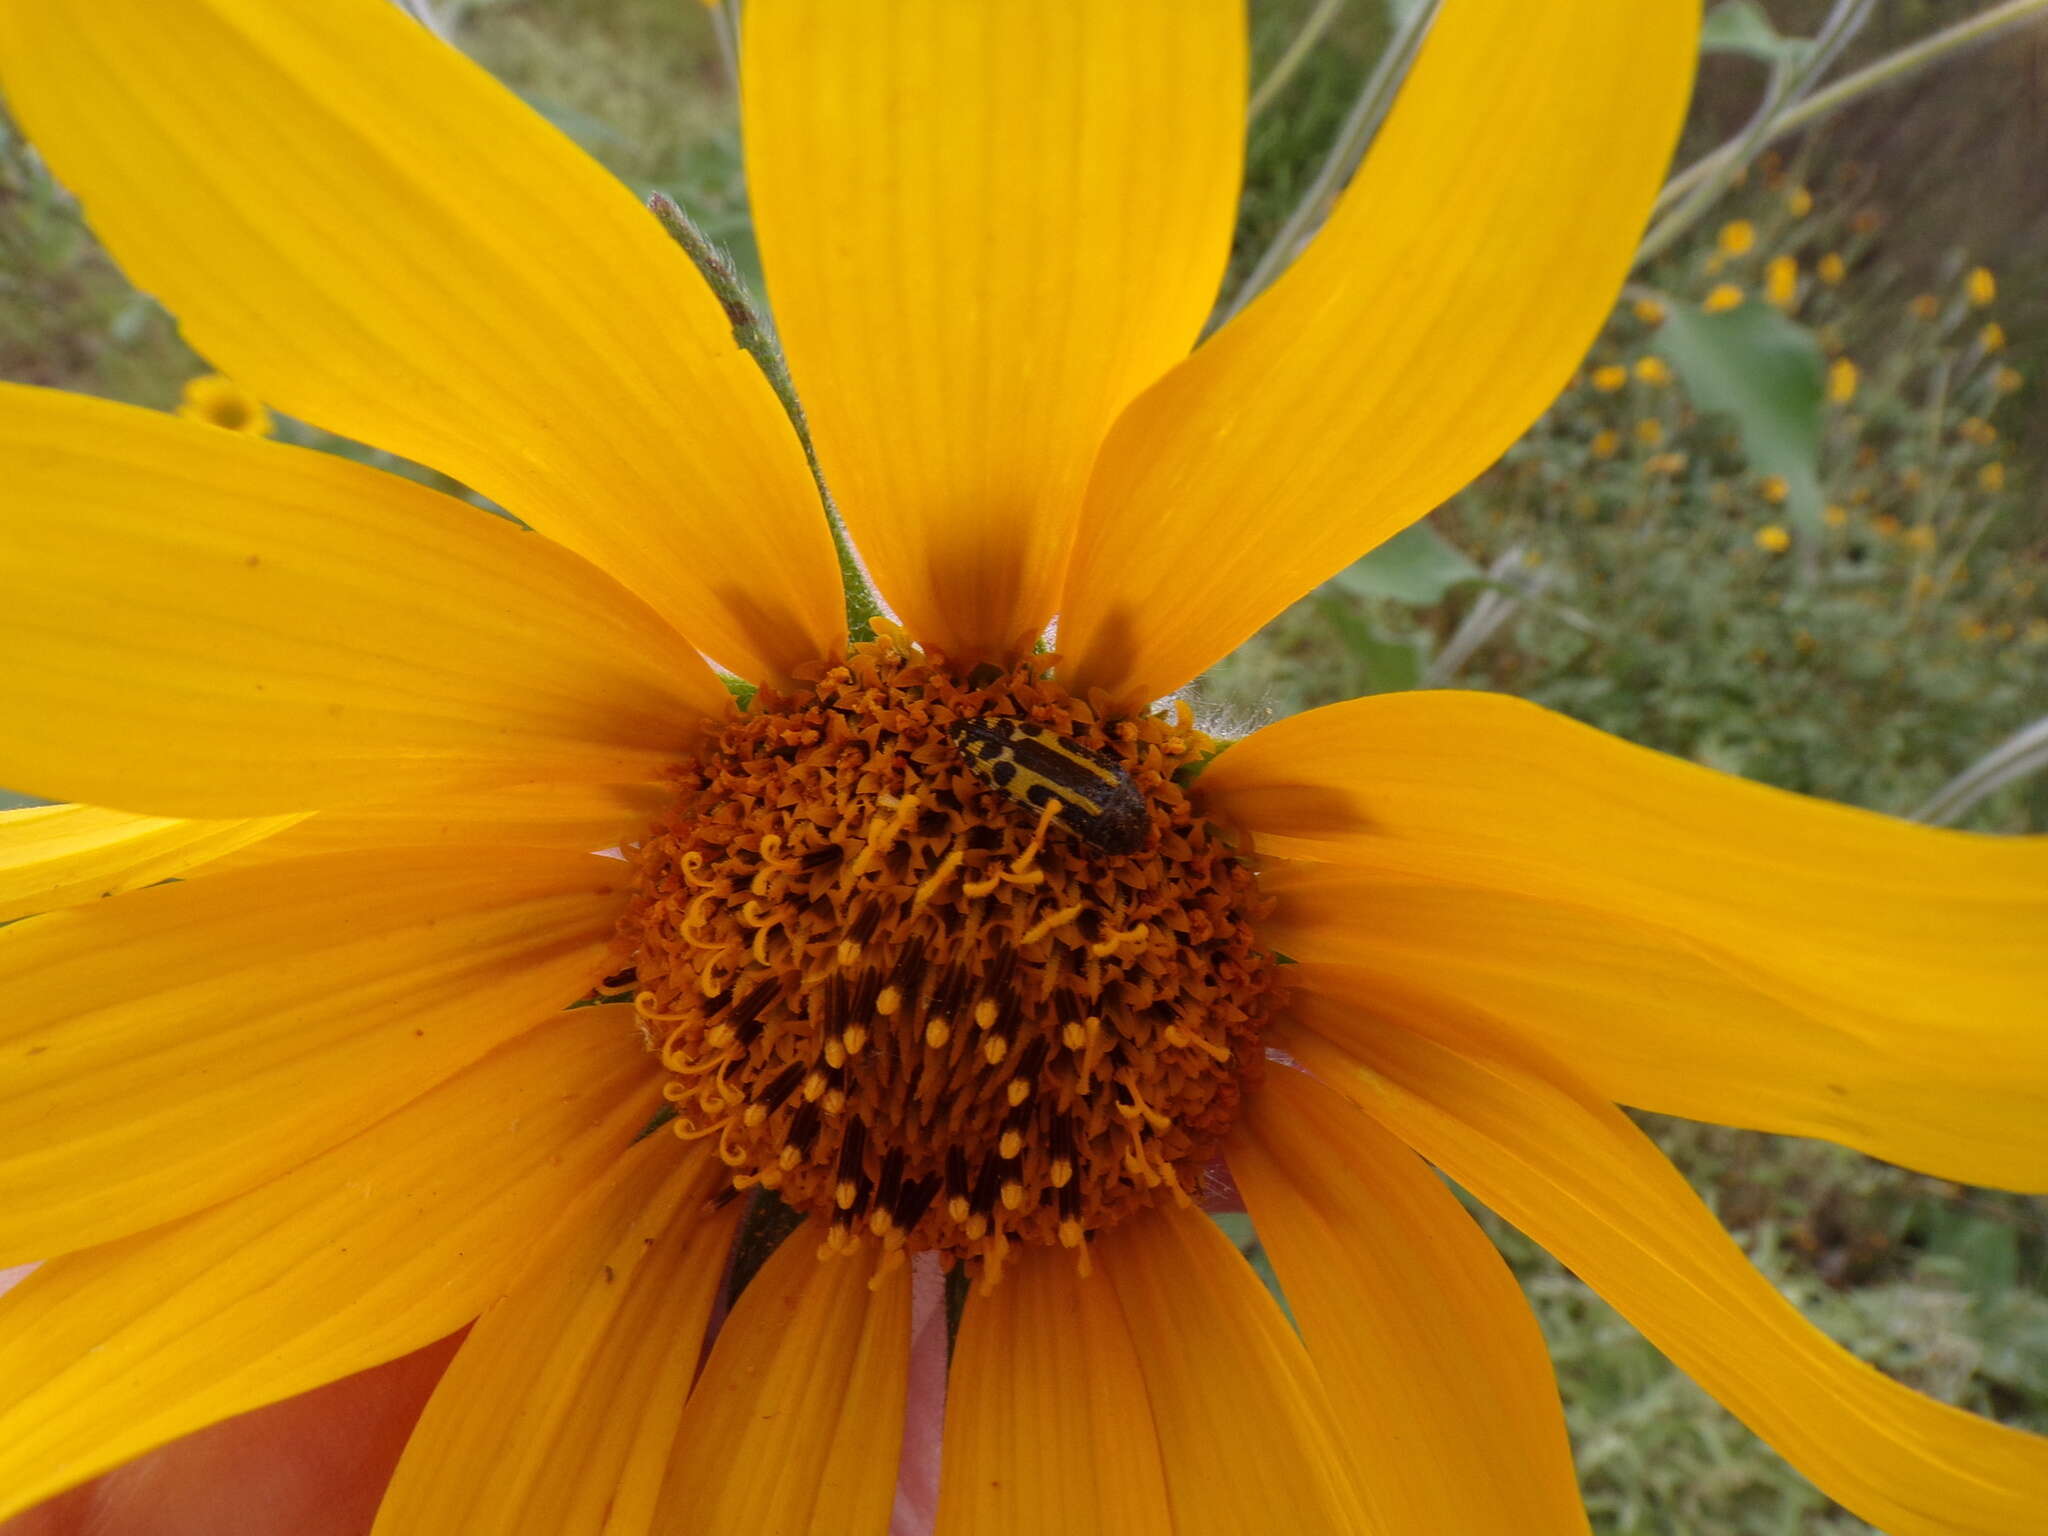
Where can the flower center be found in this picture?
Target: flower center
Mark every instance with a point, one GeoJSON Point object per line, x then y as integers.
{"type": "Point", "coordinates": [949, 963]}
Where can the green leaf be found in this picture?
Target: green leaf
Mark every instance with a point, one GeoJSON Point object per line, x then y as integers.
{"type": "Point", "coordinates": [1417, 566]}
{"type": "Point", "coordinates": [1766, 371]}
{"type": "Point", "coordinates": [1740, 26]}
{"type": "Point", "coordinates": [1386, 664]}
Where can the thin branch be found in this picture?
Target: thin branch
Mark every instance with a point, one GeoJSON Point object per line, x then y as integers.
{"type": "Point", "coordinates": [1366, 115]}
{"type": "Point", "coordinates": [1298, 50]}
{"type": "Point", "coordinates": [1886, 72]}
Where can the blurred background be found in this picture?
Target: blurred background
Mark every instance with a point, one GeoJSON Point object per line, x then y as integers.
{"type": "Point", "coordinates": [1786, 521]}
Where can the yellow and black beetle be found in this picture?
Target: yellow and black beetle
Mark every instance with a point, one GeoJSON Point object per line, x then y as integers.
{"type": "Point", "coordinates": [1034, 765]}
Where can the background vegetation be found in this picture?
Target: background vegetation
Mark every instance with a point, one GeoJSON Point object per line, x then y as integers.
{"type": "Point", "coordinates": [1859, 617]}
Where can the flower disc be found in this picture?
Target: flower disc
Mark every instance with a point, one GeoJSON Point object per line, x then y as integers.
{"type": "Point", "coordinates": [927, 999]}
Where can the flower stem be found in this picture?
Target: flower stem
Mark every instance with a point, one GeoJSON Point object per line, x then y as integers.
{"type": "Point", "coordinates": [1791, 78]}
{"type": "Point", "coordinates": [751, 330]}
{"type": "Point", "coordinates": [1887, 71]}
{"type": "Point", "coordinates": [1298, 50]}
{"type": "Point", "coordinates": [1367, 113]}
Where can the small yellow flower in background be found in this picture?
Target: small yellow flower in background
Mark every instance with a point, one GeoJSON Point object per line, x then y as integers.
{"type": "Point", "coordinates": [1724, 297]}
{"type": "Point", "coordinates": [1773, 538]}
{"type": "Point", "coordinates": [1736, 238]}
{"type": "Point", "coordinates": [1605, 443]}
{"type": "Point", "coordinates": [1924, 306]}
{"type": "Point", "coordinates": [1972, 630]}
{"type": "Point", "coordinates": [1773, 489]}
{"type": "Point", "coordinates": [1805, 642]}
{"type": "Point", "coordinates": [219, 401]}
{"type": "Point", "coordinates": [1912, 478]}
{"type": "Point", "coordinates": [1885, 525]}
{"type": "Point", "coordinates": [1834, 516]}
{"type": "Point", "coordinates": [1799, 202]}
{"type": "Point", "coordinates": [1649, 311]}
{"type": "Point", "coordinates": [1609, 377]}
{"type": "Point", "coordinates": [1842, 378]}
{"type": "Point", "coordinates": [2007, 380]}
{"type": "Point", "coordinates": [1981, 286]}
{"type": "Point", "coordinates": [947, 1026]}
{"type": "Point", "coordinates": [1653, 370]}
{"type": "Point", "coordinates": [1781, 281]}
{"type": "Point", "coordinates": [1666, 463]}
{"type": "Point", "coordinates": [2037, 632]}
{"type": "Point", "coordinates": [1992, 337]}
{"type": "Point", "coordinates": [1992, 476]}
{"type": "Point", "coordinates": [1650, 430]}
{"type": "Point", "coordinates": [1975, 429]}
{"type": "Point", "coordinates": [1920, 536]}
{"type": "Point", "coordinates": [1832, 268]}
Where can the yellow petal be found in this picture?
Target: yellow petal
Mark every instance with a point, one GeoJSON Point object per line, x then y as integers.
{"type": "Point", "coordinates": [55, 856]}
{"type": "Point", "coordinates": [1516, 1130]}
{"type": "Point", "coordinates": [1246, 1434]}
{"type": "Point", "coordinates": [1447, 300]}
{"type": "Point", "coordinates": [367, 231]}
{"type": "Point", "coordinates": [1048, 1425]}
{"type": "Point", "coordinates": [797, 1423]}
{"type": "Point", "coordinates": [385, 1243]}
{"type": "Point", "coordinates": [205, 624]}
{"type": "Point", "coordinates": [584, 817]}
{"type": "Point", "coordinates": [181, 1045]}
{"type": "Point", "coordinates": [1779, 962]}
{"type": "Point", "coordinates": [561, 1406]}
{"type": "Point", "coordinates": [985, 229]}
{"type": "Point", "coordinates": [1431, 1357]}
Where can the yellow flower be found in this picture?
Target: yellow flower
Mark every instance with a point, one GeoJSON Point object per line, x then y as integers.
{"type": "Point", "coordinates": [1665, 463]}
{"type": "Point", "coordinates": [1649, 311]}
{"type": "Point", "coordinates": [318, 1103]}
{"type": "Point", "coordinates": [1992, 476]}
{"type": "Point", "coordinates": [2036, 632]}
{"type": "Point", "coordinates": [1832, 269]}
{"type": "Point", "coordinates": [1773, 539]}
{"type": "Point", "coordinates": [1650, 430]}
{"type": "Point", "coordinates": [1920, 536]}
{"type": "Point", "coordinates": [1723, 297]}
{"type": "Point", "coordinates": [1736, 237]}
{"type": "Point", "coordinates": [1773, 489]}
{"type": "Point", "coordinates": [1609, 377]}
{"type": "Point", "coordinates": [1781, 281]}
{"type": "Point", "coordinates": [1924, 306]}
{"type": "Point", "coordinates": [1981, 286]}
{"type": "Point", "coordinates": [1912, 478]}
{"type": "Point", "coordinates": [1992, 337]}
{"type": "Point", "coordinates": [1799, 202]}
{"type": "Point", "coordinates": [1972, 630]}
{"type": "Point", "coordinates": [220, 402]}
{"type": "Point", "coordinates": [1834, 516]}
{"type": "Point", "coordinates": [1653, 370]}
{"type": "Point", "coordinates": [2007, 381]}
{"type": "Point", "coordinates": [1885, 525]}
{"type": "Point", "coordinates": [1975, 429]}
{"type": "Point", "coordinates": [1841, 381]}
{"type": "Point", "coordinates": [1604, 444]}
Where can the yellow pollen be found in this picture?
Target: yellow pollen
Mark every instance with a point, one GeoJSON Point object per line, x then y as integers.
{"type": "Point", "coordinates": [930, 1010]}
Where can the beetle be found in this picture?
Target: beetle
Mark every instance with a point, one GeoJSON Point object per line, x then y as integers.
{"type": "Point", "coordinates": [1032, 765]}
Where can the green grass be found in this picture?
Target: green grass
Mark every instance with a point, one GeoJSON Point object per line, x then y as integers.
{"type": "Point", "coordinates": [1662, 621]}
